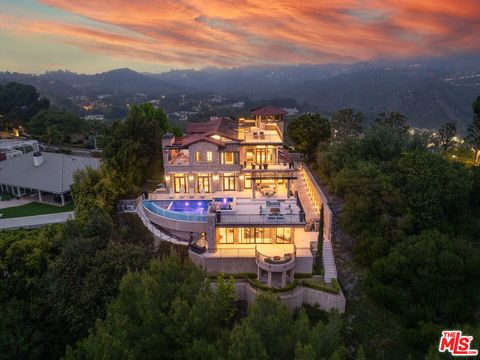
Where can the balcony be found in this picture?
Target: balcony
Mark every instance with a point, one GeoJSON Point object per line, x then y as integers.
{"type": "Point", "coordinates": [262, 212]}
{"type": "Point", "coordinates": [259, 136]}
{"type": "Point", "coordinates": [276, 262]}
{"type": "Point", "coordinates": [276, 166]}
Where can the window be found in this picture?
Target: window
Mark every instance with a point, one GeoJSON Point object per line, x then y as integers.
{"type": "Point", "coordinates": [247, 236]}
{"type": "Point", "coordinates": [230, 157]}
{"type": "Point", "coordinates": [248, 182]}
{"type": "Point", "coordinates": [229, 181]}
{"type": "Point", "coordinates": [203, 182]}
{"type": "Point", "coordinates": [209, 156]}
{"type": "Point", "coordinates": [226, 235]}
{"type": "Point", "coordinates": [198, 157]}
{"type": "Point", "coordinates": [284, 235]}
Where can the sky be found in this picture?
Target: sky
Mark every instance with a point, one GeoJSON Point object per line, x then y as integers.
{"type": "Point", "coordinates": [157, 35]}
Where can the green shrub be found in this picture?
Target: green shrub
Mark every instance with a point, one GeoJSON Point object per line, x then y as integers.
{"type": "Point", "coordinates": [260, 286]}
{"type": "Point", "coordinates": [332, 289]}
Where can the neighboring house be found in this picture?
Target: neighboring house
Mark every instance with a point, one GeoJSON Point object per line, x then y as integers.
{"type": "Point", "coordinates": [48, 176]}
{"type": "Point", "coordinates": [233, 193]}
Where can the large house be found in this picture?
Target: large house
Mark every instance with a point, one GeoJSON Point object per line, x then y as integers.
{"type": "Point", "coordinates": [235, 195]}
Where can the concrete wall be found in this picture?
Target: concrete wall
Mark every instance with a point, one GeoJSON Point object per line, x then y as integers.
{"type": "Point", "coordinates": [295, 298]}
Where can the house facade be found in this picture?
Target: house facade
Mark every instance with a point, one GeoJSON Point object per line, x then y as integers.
{"type": "Point", "coordinates": [236, 197]}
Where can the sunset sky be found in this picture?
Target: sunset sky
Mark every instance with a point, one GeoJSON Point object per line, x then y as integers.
{"type": "Point", "coordinates": [157, 35]}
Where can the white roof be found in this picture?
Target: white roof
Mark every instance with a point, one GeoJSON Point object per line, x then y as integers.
{"type": "Point", "coordinates": [10, 144]}
{"type": "Point", "coordinates": [55, 175]}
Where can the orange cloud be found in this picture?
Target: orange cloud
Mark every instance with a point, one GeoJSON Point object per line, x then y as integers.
{"type": "Point", "coordinates": [233, 33]}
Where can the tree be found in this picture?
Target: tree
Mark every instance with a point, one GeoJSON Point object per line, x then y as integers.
{"type": "Point", "coordinates": [273, 333]}
{"type": "Point", "coordinates": [19, 102]}
{"type": "Point", "coordinates": [435, 190]}
{"type": "Point", "coordinates": [473, 137]}
{"type": "Point", "coordinates": [170, 306]}
{"type": "Point", "coordinates": [307, 131]}
{"type": "Point", "coordinates": [132, 149]}
{"type": "Point", "coordinates": [53, 136]}
{"type": "Point", "coordinates": [346, 123]}
{"type": "Point", "coordinates": [446, 134]}
{"type": "Point", "coordinates": [63, 122]}
{"type": "Point", "coordinates": [394, 120]}
{"type": "Point", "coordinates": [429, 278]}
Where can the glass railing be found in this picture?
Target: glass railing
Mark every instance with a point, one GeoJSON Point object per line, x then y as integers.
{"type": "Point", "coordinates": [174, 215]}
{"type": "Point", "coordinates": [225, 218]}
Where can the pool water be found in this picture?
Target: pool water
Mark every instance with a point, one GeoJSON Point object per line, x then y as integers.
{"type": "Point", "coordinates": [190, 206]}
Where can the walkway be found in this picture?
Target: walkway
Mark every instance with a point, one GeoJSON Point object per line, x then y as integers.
{"type": "Point", "coordinates": [301, 188]}
{"type": "Point", "coordinates": [35, 221]}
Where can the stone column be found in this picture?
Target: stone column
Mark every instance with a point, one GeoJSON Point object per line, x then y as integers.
{"type": "Point", "coordinates": [269, 279]}
{"type": "Point", "coordinates": [39, 196]}
{"type": "Point", "coordinates": [63, 199]}
{"type": "Point", "coordinates": [254, 188]}
{"type": "Point", "coordinates": [288, 188]}
{"type": "Point", "coordinates": [284, 279]}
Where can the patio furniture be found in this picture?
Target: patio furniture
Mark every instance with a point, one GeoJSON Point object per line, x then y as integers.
{"type": "Point", "coordinates": [202, 193]}
{"type": "Point", "coordinates": [182, 193]}
{"type": "Point", "coordinates": [191, 193]}
{"type": "Point", "coordinates": [262, 135]}
{"type": "Point", "coordinates": [171, 195]}
{"type": "Point", "coordinates": [255, 135]}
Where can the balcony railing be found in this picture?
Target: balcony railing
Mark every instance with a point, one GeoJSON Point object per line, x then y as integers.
{"type": "Point", "coordinates": [276, 263]}
{"type": "Point", "coordinates": [268, 166]}
{"type": "Point", "coordinates": [174, 215]}
{"type": "Point", "coordinates": [225, 218]}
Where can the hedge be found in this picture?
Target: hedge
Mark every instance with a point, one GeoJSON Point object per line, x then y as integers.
{"type": "Point", "coordinates": [333, 289]}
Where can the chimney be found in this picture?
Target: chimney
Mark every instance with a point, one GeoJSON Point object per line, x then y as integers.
{"type": "Point", "coordinates": [37, 158]}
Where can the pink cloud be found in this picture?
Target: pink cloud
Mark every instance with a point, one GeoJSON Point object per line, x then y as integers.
{"type": "Point", "coordinates": [233, 33]}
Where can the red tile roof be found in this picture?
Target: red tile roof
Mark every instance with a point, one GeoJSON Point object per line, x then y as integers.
{"type": "Point", "coordinates": [268, 111]}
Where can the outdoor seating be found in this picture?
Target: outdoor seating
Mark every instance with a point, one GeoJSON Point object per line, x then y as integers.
{"type": "Point", "coordinates": [202, 193]}
{"type": "Point", "coordinates": [182, 193]}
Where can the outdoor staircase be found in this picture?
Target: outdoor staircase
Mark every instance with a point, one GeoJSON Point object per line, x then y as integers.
{"type": "Point", "coordinates": [329, 266]}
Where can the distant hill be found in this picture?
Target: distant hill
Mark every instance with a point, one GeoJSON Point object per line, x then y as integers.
{"type": "Point", "coordinates": [430, 91]}
{"type": "Point", "coordinates": [66, 83]}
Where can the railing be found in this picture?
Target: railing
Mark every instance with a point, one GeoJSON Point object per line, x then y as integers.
{"type": "Point", "coordinates": [269, 166]}
{"type": "Point", "coordinates": [276, 263]}
{"type": "Point", "coordinates": [174, 215]}
{"type": "Point", "coordinates": [280, 218]}
{"type": "Point", "coordinates": [257, 136]}
{"type": "Point", "coordinates": [154, 230]}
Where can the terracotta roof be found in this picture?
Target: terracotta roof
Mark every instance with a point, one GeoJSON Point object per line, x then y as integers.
{"type": "Point", "coordinates": [268, 111]}
{"type": "Point", "coordinates": [203, 131]}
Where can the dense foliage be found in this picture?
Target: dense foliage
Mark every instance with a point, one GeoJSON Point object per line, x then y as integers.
{"type": "Point", "coordinates": [55, 127]}
{"type": "Point", "coordinates": [307, 132]}
{"type": "Point", "coordinates": [414, 218]}
{"type": "Point", "coordinates": [171, 308]}
{"type": "Point", "coordinates": [56, 281]}
{"type": "Point", "coordinates": [18, 103]}
{"type": "Point", "coordinates": [132, 150]}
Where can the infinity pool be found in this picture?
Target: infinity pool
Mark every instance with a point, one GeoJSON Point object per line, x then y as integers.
{"type": "Point", "coordinates": [189, 206]}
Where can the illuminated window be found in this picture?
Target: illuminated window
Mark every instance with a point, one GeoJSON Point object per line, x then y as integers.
{"type": "Point", "coordinates": [198, 156]}
{"type": "Point", "coordinates": [209, 156]}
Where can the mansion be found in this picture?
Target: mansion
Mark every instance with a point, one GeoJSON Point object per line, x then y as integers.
{"type": "Point", "coordinates": [236, 197]}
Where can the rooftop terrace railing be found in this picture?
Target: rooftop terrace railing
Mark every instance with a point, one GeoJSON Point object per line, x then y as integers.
{"type": "Point", "coordinates": [174, 215]}
{"type": "Point", "coordinates": [270, 219]}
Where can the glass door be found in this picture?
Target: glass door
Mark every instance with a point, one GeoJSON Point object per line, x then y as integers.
{"type": "Point", "coordinates": [228, 183]}
{"type": "Point", "coordinates": [261, 157]}
{"type": "Point", "coordinates": [203, 183]}
{"type": "Point", "coordinates": [180, 183]}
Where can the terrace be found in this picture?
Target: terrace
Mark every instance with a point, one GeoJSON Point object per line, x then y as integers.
{"type": "Point", "coordinates": [259, 136]}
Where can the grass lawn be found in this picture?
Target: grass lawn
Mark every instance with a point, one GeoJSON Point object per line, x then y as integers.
{"type": "Point", "coordinates": [32, 209]}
